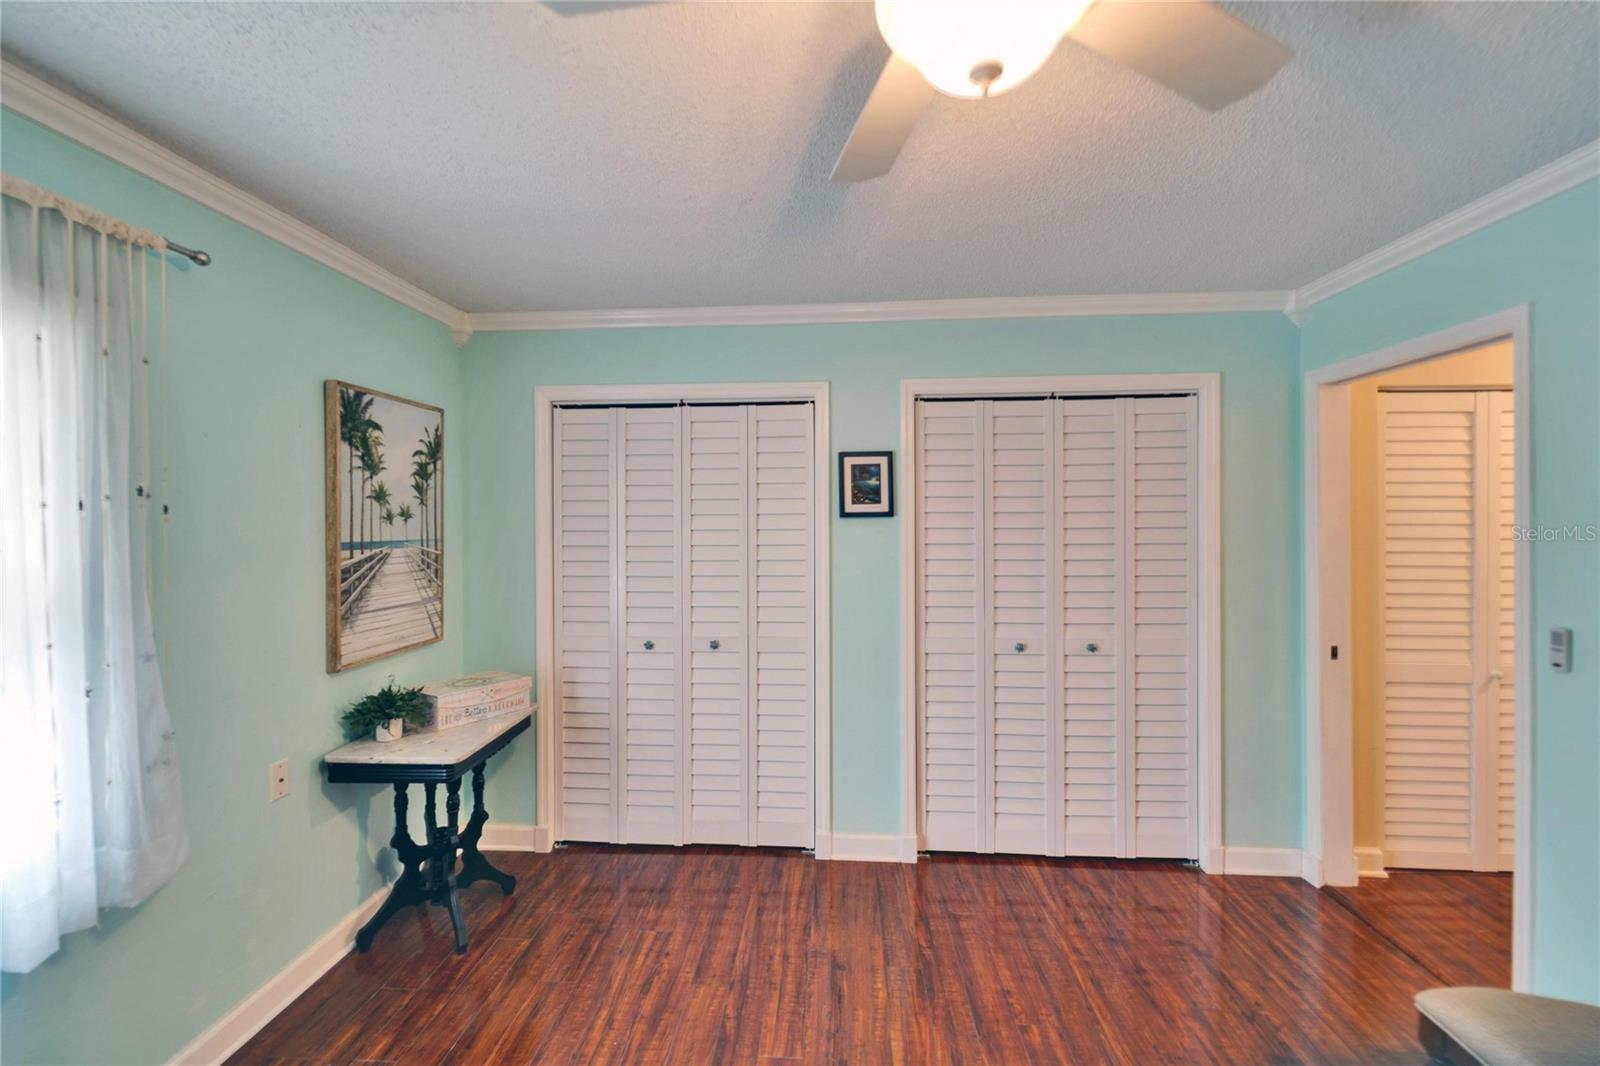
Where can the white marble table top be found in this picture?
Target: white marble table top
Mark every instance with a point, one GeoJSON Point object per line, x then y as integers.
{"type": "Point", "coordinates": [444, 748]}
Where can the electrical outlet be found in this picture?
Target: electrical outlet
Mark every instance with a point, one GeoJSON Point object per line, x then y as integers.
{"type": "Point", "coordinates": [278, 780]}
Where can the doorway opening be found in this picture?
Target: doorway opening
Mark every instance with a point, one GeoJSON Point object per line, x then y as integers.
{"type": "Point", "coordinates": [1417, 645]}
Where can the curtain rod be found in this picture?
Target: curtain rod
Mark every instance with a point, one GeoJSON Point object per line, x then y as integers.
{"type": "Point", "coordinates": [194, 255]}
{"type": "Point", "coordinates": [30, 193]}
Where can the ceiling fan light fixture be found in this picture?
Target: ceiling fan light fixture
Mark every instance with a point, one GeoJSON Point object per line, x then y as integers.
{"type": "Point", "coordinates": [974, 48]}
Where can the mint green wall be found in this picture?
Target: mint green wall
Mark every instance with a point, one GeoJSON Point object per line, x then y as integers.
{"type": "Point", "coordinates": [252, 338]}
{"type": "Point", "coordinates": [1549, 257]}
{"type": "Point", "coordinates": [864, 365]}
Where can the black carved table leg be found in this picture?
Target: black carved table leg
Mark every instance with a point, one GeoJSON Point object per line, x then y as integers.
{"type": "Point", "coordinates": [410, 888]}
{"type": "Point", "coordinates": [430, 839]}
{"type": "Point", "coordinates": [446, 857]}
{"type": "Point", "coordinates": [474, 867]}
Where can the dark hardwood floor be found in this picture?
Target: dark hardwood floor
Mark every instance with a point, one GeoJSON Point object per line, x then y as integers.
{"type": "Point", "coordinates": [710, 955]}
{"type": "Point", "coordinates": [1456, 925]}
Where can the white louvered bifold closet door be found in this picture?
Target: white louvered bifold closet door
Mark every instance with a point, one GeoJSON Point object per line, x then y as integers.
{"type": "Point", "coordinates": [1021, 538]}
{"type": "Point", "coordinates": [986, 559]}
{"type": "Point", "coordinates": [717, 453]}
{"type": "Point", "coordinates": [783, 623]}
{"type": "Point", "coordinates": [585, 446]}
{"type": "Point", "coordinates": [1445, 466]}
{"type": "Point", "coordinates": [1058, 589]}
{"type": "Point", "coordinates": [952, 641]}
{"type": "Point", "coordinates": [685, 623]}
{"type": "Point", "coordinates": [1161, 538]}
{"type": "Point", "coordinates": [651, 511]}
{"type": "Point", "coordinates": [1093, 526]}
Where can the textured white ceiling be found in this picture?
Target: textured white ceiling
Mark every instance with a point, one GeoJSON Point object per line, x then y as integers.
{"type": "Point", "coordinates": [507, 158]}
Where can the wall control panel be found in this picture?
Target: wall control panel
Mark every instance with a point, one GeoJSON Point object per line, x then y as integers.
{"type": "Point", "coordinates": [1561, 649]}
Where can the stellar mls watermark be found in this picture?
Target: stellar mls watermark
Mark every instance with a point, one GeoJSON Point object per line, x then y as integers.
{"type": "Point", "coordinates": [1582, 534]}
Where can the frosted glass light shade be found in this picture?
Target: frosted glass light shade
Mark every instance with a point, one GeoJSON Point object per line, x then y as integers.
{"type": "Point", "coordinates": [947, 40]}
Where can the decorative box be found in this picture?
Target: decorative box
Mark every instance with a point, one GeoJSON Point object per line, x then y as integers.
{"type": "Point", "coordinates": [463, 700]}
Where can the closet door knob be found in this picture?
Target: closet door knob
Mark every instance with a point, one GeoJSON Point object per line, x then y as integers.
{"type": "Point", "coordinates": [1019, 646]}
{"type": "Point", "coordinates": [1091, 647]}
{"type": "Point", "coordinates": [649, 645]}
{"type": "Point", "coordinates": [715, 644]}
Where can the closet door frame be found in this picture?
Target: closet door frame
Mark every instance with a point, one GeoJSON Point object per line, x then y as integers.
{"type": "Point", "coordinates": [547, 827]}
{"type": "Point", "coordinates": [1207, 388]}
{"type": "Point", "coordinates": [1329, 852]}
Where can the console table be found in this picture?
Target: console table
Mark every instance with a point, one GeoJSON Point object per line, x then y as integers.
{"type": "Point", "coordinates": [431, 759]}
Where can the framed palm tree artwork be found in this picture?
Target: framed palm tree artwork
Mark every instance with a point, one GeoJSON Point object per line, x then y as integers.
{"type": "Point", "coordinates": [385, 523]}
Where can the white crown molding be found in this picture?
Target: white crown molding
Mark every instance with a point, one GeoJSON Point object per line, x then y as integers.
{"type": "Point", "coordinates": [29, 96]}
{"type": "Point", "coordinates": [1552, 179]}
{"type": "Point", "coordinates": [38, 100]}
{"type": "Point", "coordinates": [895, 311]}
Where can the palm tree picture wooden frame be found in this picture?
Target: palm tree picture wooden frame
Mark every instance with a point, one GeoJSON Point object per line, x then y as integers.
{"type": "Point", "coordinates": [385, 586]}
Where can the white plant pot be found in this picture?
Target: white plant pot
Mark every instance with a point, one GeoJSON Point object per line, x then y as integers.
{"type": "Point", "coordinates": [390, 730]}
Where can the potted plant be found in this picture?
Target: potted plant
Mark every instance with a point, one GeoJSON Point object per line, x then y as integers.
{"type": "Point", "coordinates": [385, 713]}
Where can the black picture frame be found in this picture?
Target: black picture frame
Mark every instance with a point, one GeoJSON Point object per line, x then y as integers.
{"type": "Point", "coordinates": [886, 486]}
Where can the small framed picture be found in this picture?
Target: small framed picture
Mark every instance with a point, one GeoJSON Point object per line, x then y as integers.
{"type": "Point", "coordinates": [866, 484]}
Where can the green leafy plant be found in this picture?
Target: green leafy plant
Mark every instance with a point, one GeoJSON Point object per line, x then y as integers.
{"type": "Point", "coordinates": [376, 708]}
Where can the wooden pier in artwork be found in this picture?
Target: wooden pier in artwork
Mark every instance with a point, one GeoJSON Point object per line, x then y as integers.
{"type": "Point", "coordinates": [395, 601]}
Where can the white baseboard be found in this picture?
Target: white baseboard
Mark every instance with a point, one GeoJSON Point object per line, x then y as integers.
{"type": "Point", "coordinates": [1369, 863]}
{"type": "Point", "coordinates": [515, 836]}
{"type": "Point", "coordinates": [870, 847]}
{"type": "Point", "coordinates": [1266, 862]}
{"type": "Point", "coordinates": [228, 1033]}
{"type": "Point", "coordinates": [1311, 868]}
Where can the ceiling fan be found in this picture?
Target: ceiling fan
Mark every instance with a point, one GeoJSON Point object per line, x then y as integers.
{"type": "Point", "coordinates": [981, 48]}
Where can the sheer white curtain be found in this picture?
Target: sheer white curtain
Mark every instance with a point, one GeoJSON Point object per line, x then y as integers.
{"type": "Point", "coordinates": [88, 767]}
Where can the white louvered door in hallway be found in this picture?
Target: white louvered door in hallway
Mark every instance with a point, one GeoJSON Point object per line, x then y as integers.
{"type": "Point", "coordinates": [1446, 628]}
{"type": "Point", "coordinates": [1057, 594]}
{"type": "Point", "coordinates": [685, 623]}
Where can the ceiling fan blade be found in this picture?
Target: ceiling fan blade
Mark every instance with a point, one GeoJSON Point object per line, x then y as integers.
{"type": "Point", "coordinates": [567, 8]}
{"type": "Point", "coordinates": [1194, 48]}
{"type": "Point", "coordinates": [897, 101]}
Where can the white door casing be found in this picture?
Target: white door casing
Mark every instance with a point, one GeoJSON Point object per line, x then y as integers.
{"type": "Point", "coordinates": [1329, 833]}
{"type": "Point", "coordinates": [1503, 519]}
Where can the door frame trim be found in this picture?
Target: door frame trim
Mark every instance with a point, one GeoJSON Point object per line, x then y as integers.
{"type": "Point", "coordinates": [545, 399]}
{"type": "Point", "coordinates": [1207, 388]}
{"type": "Point", "coordinates": [1330, 854]}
